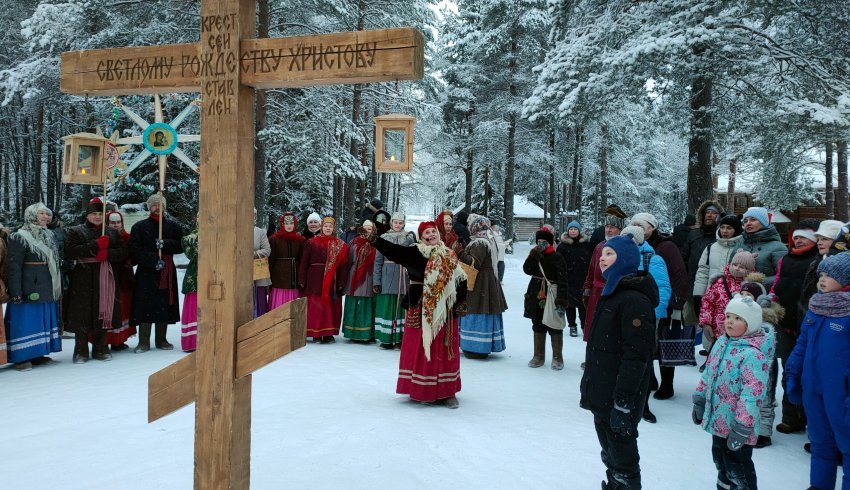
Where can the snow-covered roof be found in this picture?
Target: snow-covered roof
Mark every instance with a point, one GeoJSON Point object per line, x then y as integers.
{"type": "Point", "coordinates": [523, 208]}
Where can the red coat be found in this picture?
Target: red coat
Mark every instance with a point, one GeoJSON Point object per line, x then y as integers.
{"type": "Point", "coordinates": [593, 282]}
{"type": "Point", "coordinates": [311, 271]}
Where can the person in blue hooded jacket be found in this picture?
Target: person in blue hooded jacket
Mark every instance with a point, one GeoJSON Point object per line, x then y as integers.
{"type": "Point", "coordinates": [618, 359]}
{"type": "Point", "coordinates": [818, 373]}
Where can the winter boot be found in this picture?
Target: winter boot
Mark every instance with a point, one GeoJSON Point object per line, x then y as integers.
{"type": "Point", "coordinates": [763, 441]}
{"type": "Point", "coordinates": [144, 338]}
{"type": "Point", "coordinates": [539, 350]}
{"type": "Point", "coordinates": [81, 348]}
{"type": "Point", "coordinates": [99, 350]}
{"type": "Point", "coordinates": [474, 355]}
{"type": "Point", "coordinates": [160, 340]}
{"type": "Point", "coordinates": [573, 331]}
{"type": "Point", "coordinates": [557, 352]}
{"type": "Point", "coordinates": [665, 391]}
{"type": "Point", "coordinates": [450, 402]}
{"type": "Point", "coordinates": [647, 413]}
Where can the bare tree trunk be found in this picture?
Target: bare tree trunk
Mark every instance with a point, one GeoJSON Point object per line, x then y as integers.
{"type": "Point", "coordinates": [260, 123]}
{"type": "Point", "coordinates": [397, 196]}
{"type": "Point", "coordinates": [485, 205]}
{"type": "Point", "coordinates": [553, 205]}
{"type": "Point", "coordinates": [510, 164]}
{"type": "Point", "coordinates": [384, 188]}
{"type": "Point", "coordinates": [829, 191]}
{"type": "Point", "coordinates": [470, 163]}
{"type": "Point", "coordinates": [38, 165]}
{"type": "Point", "coordinates": [733, 173]}
{"type": "Point", "coordinates": [841, 192]}
{"type": "Point", "coordinates": [373, 173]}
{"type": "Point", "coordinates": [51, 166]}
{"type": "Point", "coordinates": [699, 146]}
{"type": "Point", "coordinates": [603, 167]}
{"type": "Point", "coordinates": [350, 183]}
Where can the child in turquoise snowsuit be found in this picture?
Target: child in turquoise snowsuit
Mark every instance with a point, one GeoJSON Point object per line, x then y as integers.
{"type": "Point", "coordinates": [818, 372]}
{"type": "Point", "coordinates": [731, 391]}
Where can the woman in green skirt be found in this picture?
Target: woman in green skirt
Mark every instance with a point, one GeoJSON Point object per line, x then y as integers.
{"type": "Point", "coordinates": [358, 320]}
{"type": "Point", "coordinates": [390, 283]}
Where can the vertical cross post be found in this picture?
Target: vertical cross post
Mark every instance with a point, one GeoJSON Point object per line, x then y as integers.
{"type": "Point", "coordinates": [225, 281]}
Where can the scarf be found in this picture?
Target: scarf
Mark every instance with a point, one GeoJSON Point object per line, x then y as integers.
{"type": "Point", "coordinates": [834, 305]}
{"type": "Point", "coordinates": [364, 261]}
{"type": "Point", "coordinates": [802, 250]}
{"type": "Point", "coordinates": [337, 251]}
{"type": "Point", "coordinates": [439, 290]}
{"type": "Point", "coordinates": [292, 236]}
{"type": "Point", "coordinates": [39, 241]}
{"type": "Point", "coordinates": [489, 241]}
{"type": "Point", "coordinates": [166, 276]}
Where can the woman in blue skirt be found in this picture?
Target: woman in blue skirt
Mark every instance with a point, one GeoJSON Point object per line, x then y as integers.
{"type": "Point", "coordinates": [32, 322]}
{"type": "Point", "coordinates": [481, 330]}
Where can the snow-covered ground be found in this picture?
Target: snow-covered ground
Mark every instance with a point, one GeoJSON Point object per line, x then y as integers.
{"type": "Point", "coordinates": [327, 416]}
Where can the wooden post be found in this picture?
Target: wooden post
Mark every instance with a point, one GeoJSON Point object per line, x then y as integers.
{"type": "Point", "coordinates": [224, 65]}
{"type": "Point", "coordinates": [223, 403]}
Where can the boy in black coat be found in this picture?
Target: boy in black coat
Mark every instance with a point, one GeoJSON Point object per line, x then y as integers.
{"type": "Point", "coordinates": [617, 365]}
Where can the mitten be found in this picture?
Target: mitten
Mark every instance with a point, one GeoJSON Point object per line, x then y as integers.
{"type": "Point", "coordinates": [535, 254]}
{"type": "Point", "coordinates": [738, 435]}
{"type": "Point", "coordinates": [585, 296]}
{"type": "Point", "coordinates": [159, 244]}
{"type": "Point", "coordinates": [376, 289]}
{"type": "Point", "coordinates": [621, 421]}
{"type": "Point", "coordinates": [699, 409]}
{"type": "Point", "coordinates": [16, 300]}
{"type": "Point", "coordinates": [102, 246]}
{"type": "Point", "coordinates": [793, 390]}
{"type": "Point", "coordinates": [160, 264]}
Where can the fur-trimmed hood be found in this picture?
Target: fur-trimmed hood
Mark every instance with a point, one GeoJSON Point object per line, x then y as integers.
{"type": "Point", "coordinates": [701, 210]}
{"type": "Point", "coordinates": [582, 238]}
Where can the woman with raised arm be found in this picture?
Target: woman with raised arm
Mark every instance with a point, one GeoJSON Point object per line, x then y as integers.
{"type": "Point", "coordinates": [429, 364]}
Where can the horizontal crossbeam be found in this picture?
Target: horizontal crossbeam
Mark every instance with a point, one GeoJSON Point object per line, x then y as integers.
{"type": "Point", "coordinates": [259, 342]}
{"type": "Point", "coordinates": [338, 58]}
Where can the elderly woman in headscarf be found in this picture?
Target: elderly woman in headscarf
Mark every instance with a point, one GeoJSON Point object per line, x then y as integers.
{"type": "Point", "coordinates": [481, 330]}
{"type": "Point", "coordinates": [93, 302]}
{"type": "Point", "coordinates": [35, 287]}
{"type": "Point", "coordinates": [429, 365]}
{"type": "Point", "coordinates": [322, 275]}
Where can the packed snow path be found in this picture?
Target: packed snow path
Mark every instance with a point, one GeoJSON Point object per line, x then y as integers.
{"type": "Point", "coordinates": [327, 416]}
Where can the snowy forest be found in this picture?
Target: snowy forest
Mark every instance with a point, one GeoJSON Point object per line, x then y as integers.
{"type": "Point", "coordinates": [574, 104]}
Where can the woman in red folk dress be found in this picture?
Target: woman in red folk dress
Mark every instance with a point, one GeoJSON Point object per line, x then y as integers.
{"type": "Point", "coordinates": [429, 364]}
{"type": "Point", "coordinates": [322, 275]}
{"type": "Point", "coordinates": [117, 337]}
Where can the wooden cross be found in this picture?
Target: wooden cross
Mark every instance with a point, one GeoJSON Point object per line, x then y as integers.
{"type": "Point", "coordinates": [226, 65]}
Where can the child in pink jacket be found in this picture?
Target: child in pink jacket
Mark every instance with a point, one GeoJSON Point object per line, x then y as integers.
{"type": "Point", "coordinates": [712, 313]}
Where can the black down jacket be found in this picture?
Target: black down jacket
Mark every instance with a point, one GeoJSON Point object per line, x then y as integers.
{"type": "Point", "coordinates": [620, 347]}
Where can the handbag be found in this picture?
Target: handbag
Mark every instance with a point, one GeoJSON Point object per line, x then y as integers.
{"type": "Point", "coordinates": [261, 269]}
{"type": "Point", "coordinates": [676, 341]}
{"type": "Point", "coordinates": [551, 318]}
{"type": "Point", "coordinates": [471, 273]}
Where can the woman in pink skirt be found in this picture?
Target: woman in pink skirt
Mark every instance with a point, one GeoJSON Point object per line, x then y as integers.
{"type": "Point", "coordinates": [429, 364]}
{"type": "Point", "coordinates": [287, 245]}
{"type": "Point", "coordinates": [189, 318]}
